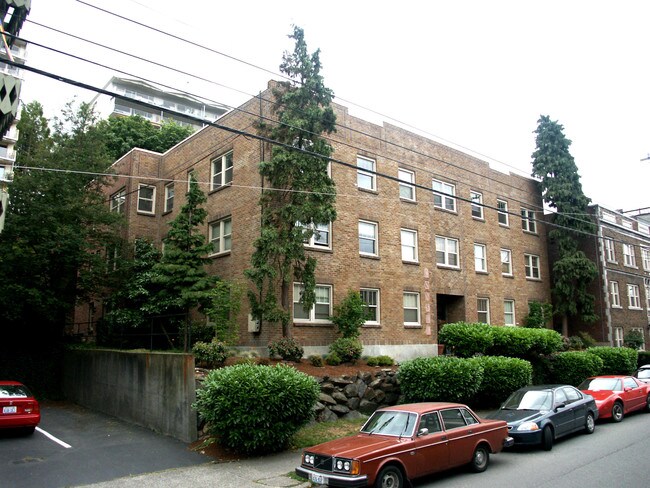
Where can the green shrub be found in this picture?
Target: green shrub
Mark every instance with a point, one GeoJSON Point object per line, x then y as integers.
{"type": "Point", "coordinates": [348, 349]}
{"type": "Point", "coordinates": [511, 341]}
{"type": "Point", "coordinates": [256, 409]}
{"type": "Point", "coordinates": [380, 361]}
{"type": "Point", "coordinates": [634, 339]}
{"type": "Point", "coordinates": [501, 376]}
{"type": "Point", "coordinates": [350, 315]}
{"type": "Point", "coordinates": [333, 359]}
{"type": "Point", "coordinates": [572, 367]}
{"type": "Point", "coordinates": [587, 340]}
{"type": "Point", "coordinates": [466, 339]}
{"type": "Point", "coordinates": [539, 314]}
{"type": "Point", "coordinates": [574, 343]}
{"type": "Point", "coordinates": [210, 354]}
{"type": "Point", "coordinates": [316, 361]}
{"type": "Point", "coordinates": [616, 360]}
{"type": "Point", "coordinates": [287, 348]}
{"type": "Point", "coordinates": [440, 378]}
{"type": "Point", "coordinates": [545, 341]}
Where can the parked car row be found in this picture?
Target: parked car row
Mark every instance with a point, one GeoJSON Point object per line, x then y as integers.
{"type": "Point", "coordinates": [404, 442]}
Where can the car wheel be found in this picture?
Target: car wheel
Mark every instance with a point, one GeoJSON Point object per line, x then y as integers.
{"type": "Point", "coordinates": [480, 459]}
{"type": "Point", "coordinates": [547, 438]}
{"type": "Point", "coordinates": [390, 477]}
{"type": "Point", "coordinates": [590, 423]}
{"type": "Point", "coordinates": [617, 412]}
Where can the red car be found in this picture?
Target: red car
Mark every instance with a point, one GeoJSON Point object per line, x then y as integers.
{"type": "Point", "coordinates": [404, 442]}
{"type": "Point", "coordinates": [18, 407]}
{"type": "Point", "coordinates": [617, 395]}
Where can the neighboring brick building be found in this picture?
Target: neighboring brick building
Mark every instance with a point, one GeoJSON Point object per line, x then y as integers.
{"type": "Point", "coordinates": [420, 259]}
{"type": "Point", "coordinates": [622, 290]}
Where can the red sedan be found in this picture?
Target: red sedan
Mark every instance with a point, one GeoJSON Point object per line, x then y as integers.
{"type": "Point", "coordinates": [617, 395]}
{"type": "Point", "coordinates": [18, 407]}
{"type": "Point", "coordinates": [404, 442]}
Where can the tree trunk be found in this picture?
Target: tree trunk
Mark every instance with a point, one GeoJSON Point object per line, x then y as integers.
{"type": "Point", "coordinates": [565, 325]}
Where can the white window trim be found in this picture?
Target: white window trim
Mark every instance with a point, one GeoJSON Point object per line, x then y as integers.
{"type": "Point", "coordinates": [375, 237]}
{"type": "Point", "coordinates": [645, 258]}
{"type": "Point", "coordinates": [118, 200]}
{"type": "Point", "coordinates": [403, 183]}
{"type": "Point", "coordinates": [483, 259]}
{"type": "Point", "coordinates": [312, 312]}
{"type": "Point", "coordinates": [477, 204]}
{"type": "Point", "coordinates": [528, 222]}
{"type": "Point", "coordinates": [610, 250]}
{"type": "Point", "coordinates": [414, 233]}
{"type": "Point", "coordinates": [152, 200]}
{"type": "Point", "coordinates": [615, 294]}
{"type": "Point", "coordinates": [487, 301]}
{"type": "Point", "coordinates": [633, 297]}
{"type": "Point", "coordinates": [223, 170]}
{"type": "Point", "coordinates": [168, 187]}
{"type": "Point", "coordinates": [529, 268]}
{"type": "Point", "coordinates": [506, 314]}
{"type": "Point", "coordinates": [372, 175]}
{"type": "Point", "coordinates": [417, 308]}
{"type": "Point", "coordinates": [504, 213]}
{"type": "Point", "coordinates": [618, 338]}
{"type": "Point", "coordinates": [445, 195]}
{"type": "Point", "coordinates": [222, 237]}
{"type": "Point", "coordinates": [313, 243]}
{"type": "Point", "coordinates": [377, 307]}
{"type": "Point", "coordinates": [447, 253]}
{"type": "Point", "coordinates": [509, 253]}
{"type": "Point", "coordinates": [629, 259]}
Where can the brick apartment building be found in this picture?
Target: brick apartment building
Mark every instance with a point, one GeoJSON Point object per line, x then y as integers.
{"type": "Point", "coordinates": [473, 252]}
{"type": "Point", "coordinates": [621, 251]}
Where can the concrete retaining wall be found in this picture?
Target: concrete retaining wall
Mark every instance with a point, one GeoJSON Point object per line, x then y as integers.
{"type": "Point", "coordinates": [154, 390]}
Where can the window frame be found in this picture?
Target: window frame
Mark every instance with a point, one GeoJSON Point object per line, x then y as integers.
{"type": "Point", "coordinates": [645, 258]}
{"type": "Point", "coordinates": [118, 201]}
{"type": "Point", "coordinates": [376, 306]}
{"type": "Point", "coordinates": [223, 170]}
{"type": "Point", "coordinates": [530, 268]}
{"type": "Point", "coordinates": [404, 185]}
{"type": "Point", "coordinates": [633, 297]}
{"type": "Point", "coordinates": [371, 174]}
{"type": "Point", "coordinates": [477, 205]}
{"type": "Point", "coordinates": [312, 311]}
{"type": "Point", "coordinates": [610, 250]}
{"type": "Point", "coordinates": [507, 313]}
{"type": "Point", "coordinates": [479, 311]}
{"type": "Point", "coordinates": [618, 337]}
{"type": "Point", "coordinates": [222, 237]}
{"type": "Point", "coordinates": [444, 200]}
{"type": "Point", "coordinates": [417, 323]}
{"type": "Point", "coordinates": [318, 230]}
{"type": "Point", "coordinates": [446, 253]}
{"type": "Point", "coordinates": [629, 258]}
{"type": "Point", "coordinates": [480, 259]}
{"type": "Point", "coordinates": [169, 197]}
{"type": "Point", "coordinates": [502, 211]}
{"type": "Point", "coordinates": [413, 247]}
{"type": "Point", "coordinates": [615, 294]}
{"type": "Point", "coordinates": [152, 199]}
{"type": "Point", "coordinates": [509, 262]}
{"type": "Point", "coordinates": [528, 221]}
{"type": "Point", "coordinates": [375, 238]}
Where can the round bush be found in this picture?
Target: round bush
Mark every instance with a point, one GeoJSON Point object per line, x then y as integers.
{"type": "Point", "coordinates": [210, 354]}
{"type": "Point", "coordinates": [466, 339]}
{"type": "Point", "coordinates": [440, 378]}
{"type": "Point", "coordinates": [380, 361]}
{"type": "Point", "coordinates": [616, 360]}
{"type": "Point", "coordinates": [287, 348]}
{"type": "Point", "coordinates": [333, 359]}
{"type": "Point", "coordinates": [501, 376]}
{"type": "Point", "coordinates": [349, 349]}
{"type": "Point", "coordinates": [545, 341]}
{"type": "Point", "coordinates": [572, 367]}
{"type": "Point", "coordinates": [511, 341]}
{"type": "Point", "coordinates": [256, 409]}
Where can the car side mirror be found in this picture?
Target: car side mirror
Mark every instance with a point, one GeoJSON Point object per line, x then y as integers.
{"type": "Point", "coordinates": [423, 431]}
{"type": "Point", "coordinates": [559, 406]}
{"type": "Point", "coordinates": [627, 388]}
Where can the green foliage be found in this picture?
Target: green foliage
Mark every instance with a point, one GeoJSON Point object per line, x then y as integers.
{"type": "Point", "coordinates": [315, 360]}
{"type": "Point", "coordinates": [333, 359]}
{"type": "Point", "coordinates": [501, 376]}
{"type": "Point", "coordinates": [511, 341]}
{"type": "Point", "coordinates": [634, 339]}
{"type": "Point", "coordinates": [574, 343]}
{"type": "Point", "coordinates": [287, 348]}
{"type": "Point", "coordinates": [210, 354]}
{"type": "Point", "coordinates": [440, 378]}
{"type": "Point", "coordinates": [572, 367]}
{"type": "Point", "coordinates": [224, 305]}
{"type": "Point", "coordinates": [544, 341]}
{"type": "Point", "coordinates": [539, 315]}
{"type": "Point", "coordinates": [616, 360]}
{"type": "Point", "coordinates": [587, 340]}
{"type": "Point", "coordinates": [380, 361]}
{"type": "Point", "coordinates": [349, 349]}
{"type": "Point", "coordinates": [304, 193]}
{"type": "Point", "coordinates": [256, 409]}
{"type": "Point", "coordinates": [466, 339]}
{"type": "Point", "coordinates": [350, 315]}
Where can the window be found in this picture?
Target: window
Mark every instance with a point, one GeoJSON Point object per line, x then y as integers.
{"type": "Point", "coordinates": [443, 196]}
{"type": "Point", "coordinates": [645, 258]}
{"type": "Point", "coordinates": [614, 294]}
{"type": "Point", "coordinates": [610, 251]}
{"type": "Point", "coordinates": [366, 173]}
{"type": "Point", "coordinates": [146, 198]}
{"type": "Point", "coordinates": [609, 217]}
{"type": "Point", "coordinates": [320, 311]}
{"type": "Point", "coordinates": [409, 245]}
{"type": "Point", "coordinates": [477, 204]}
{"type": "Point", "coordinates": [320, 237]}
{"type": "Point", "coordinates": [406, 184]}
{"type": "Point", "coordinates": [509, 312]}
{"type": "Point", "coordinates": [480, 258]}
{"type": "Point", "coordinates": [221, 171]}
{"type": "Point", "coordinates": [117, 201]}
{"type": "Point", "coordinates": [411, 302]}
{"type": "Point", "coordinates": [169, 197]}
{"type": "Point", "coordinates": [618, 336]}
{"type": "Point", "coordinates": [368, 238]}
{"type": "Point", "coordinates": [221, 236]}
{"type": "Point", "coordinates": [502, 207]}
{"type": "Point", "coordinates": [532, 266]}
{"type": "Point", "coordinates": [633, 297]}
{"type": "Point", "coordinates": [371, 298]}
{"type": "Point", "coordinates": [506, 262]}
{"type": "Point", "coordinates": [528, 221]}
{"type": "Point", "coordinates": [447, 252]}
{"type": "Point", "coordinates": [628, 255]}
{"type": "Point", "coordinates": [483, 310]}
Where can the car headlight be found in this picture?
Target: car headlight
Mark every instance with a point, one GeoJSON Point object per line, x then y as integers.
{"type": "Point", "coordinates": [528, 426]}
{"type": "Point", "coordinates": [349, 466]}
{"type": "Point", "coordinates": [308, 459]}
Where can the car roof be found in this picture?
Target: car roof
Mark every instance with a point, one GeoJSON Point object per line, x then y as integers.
{"type": "Point", "coordinates": [645, 366]}
{"type": "Point", "coordinates": [613, 376]}
{"type": "Point", "coordinates": [543, 387]}
{"type": "Point", "coordinates": [12, 383]}
{"type": "Point", "coordinates": [424, 406]}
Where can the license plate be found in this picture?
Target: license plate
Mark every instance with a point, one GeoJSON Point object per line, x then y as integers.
{"type": "Point", "coordinates": [9, 409]}
{"type": "Point", "coordinates": [319, 479]}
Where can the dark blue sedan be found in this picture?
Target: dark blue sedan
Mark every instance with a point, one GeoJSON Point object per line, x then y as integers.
{"type": "Point", "coordinates": [537, 415]}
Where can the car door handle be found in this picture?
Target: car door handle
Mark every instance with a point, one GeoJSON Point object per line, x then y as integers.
{"type": "Point", "coordinates": [444, 437]}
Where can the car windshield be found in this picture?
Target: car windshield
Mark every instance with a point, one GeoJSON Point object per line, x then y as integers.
{"type": "Point", "coordinates": [529, 400]}
{"type": "Point", "coordinates": [14, 391]}
{"type": "Point", "coordinates": [595, 384]}
{"type": "Point", "coordinates": [390, 422]}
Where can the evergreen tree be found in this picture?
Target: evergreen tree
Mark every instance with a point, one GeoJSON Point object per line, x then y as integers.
{"type": "Point", "coordinates": [300, 192]}
{"type": "Point", "coordinates": [573, 271]}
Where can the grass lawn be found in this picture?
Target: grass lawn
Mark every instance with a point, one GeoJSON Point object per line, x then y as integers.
{"type": "Point", "coordinates": [317, 432]}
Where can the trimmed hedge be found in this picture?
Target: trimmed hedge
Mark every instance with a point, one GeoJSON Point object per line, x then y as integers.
{"type": "Point", "coordinates": [501, 376]}
{"type": "Point", "coordinates": [256, 409]}
{"type": "Point", "coordinates": [440, 378]}
{"type": "Point", "coordinates": [466, 339]}
{"type": "Point", "coordinates": [616, 360]}
{"type": "Point", "coordinates": [572, 367]}
{"type": "Point", "coordinates": [511, 341]}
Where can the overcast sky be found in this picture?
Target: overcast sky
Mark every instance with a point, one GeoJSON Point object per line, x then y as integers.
{"type": "Point", "coordinates": [473, 72]}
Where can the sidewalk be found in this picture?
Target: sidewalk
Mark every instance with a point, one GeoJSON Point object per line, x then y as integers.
{"type": "Point", "coordinates": [268, 471]}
